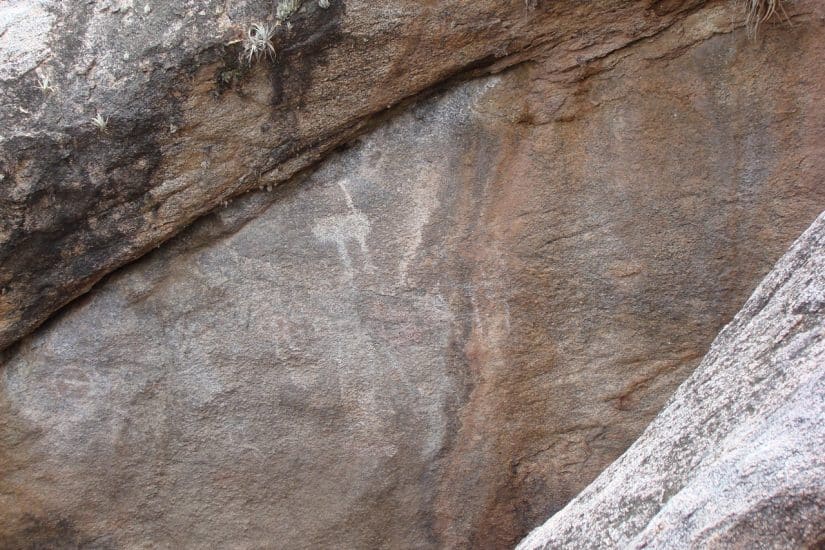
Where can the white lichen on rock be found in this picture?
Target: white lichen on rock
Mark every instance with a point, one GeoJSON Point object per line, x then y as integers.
{"type": "Point", "coordinates": [23, 27]}
{"type": "Point", "coordinates": [286, 8]}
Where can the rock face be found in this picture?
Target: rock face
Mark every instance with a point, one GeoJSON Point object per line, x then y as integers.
{"type": "Point", "coordinates": [737, 458]}
{"type": "Point", "coordinates": [188, 125]}
{"type": "Point", "coordinates": [437, 336]}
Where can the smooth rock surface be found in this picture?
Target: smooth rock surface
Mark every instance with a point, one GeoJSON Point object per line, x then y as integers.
{"type": "Point", "coordinates": [737, 458]}
{"type": "Point", "coordinates": [443, 333]}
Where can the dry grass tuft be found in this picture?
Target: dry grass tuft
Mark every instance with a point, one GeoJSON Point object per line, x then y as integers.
{"type": "Point", "coordinates": [258, 42]}
{"type": "Point", "coordinates": [100, 122]}
{"type": "Point", "coordinates": [44, 84]}
{"type": "Point", "coordinates": [759, 11]}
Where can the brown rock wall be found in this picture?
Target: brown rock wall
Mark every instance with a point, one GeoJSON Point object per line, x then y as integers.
{"type": "Point", "coordinates": [439, 335]}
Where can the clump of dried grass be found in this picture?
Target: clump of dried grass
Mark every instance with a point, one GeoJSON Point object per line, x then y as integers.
{"type": "Point", "coordinates": [759, 11]}
{"type": "Point", "coordinates": [258, 42]}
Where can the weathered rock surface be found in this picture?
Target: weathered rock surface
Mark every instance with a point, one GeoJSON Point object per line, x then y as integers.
{"type": "Point", "coordinates": [440, 335]}
{"type": "Point", "coordinates": [189, 126]}
{"type": "Point", "coordinates": [737, 458]}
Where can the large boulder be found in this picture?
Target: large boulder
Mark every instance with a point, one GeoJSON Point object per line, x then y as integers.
{"type": "Point", "coordinates": [189, 123]}
{"type": "Point", "coordinates": [435, 337]}
{"type": "Point", "coordinates": [737, 458]}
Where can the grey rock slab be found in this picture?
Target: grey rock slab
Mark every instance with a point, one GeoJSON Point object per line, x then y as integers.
{"type": "Point", "coordinates": [737, 457]}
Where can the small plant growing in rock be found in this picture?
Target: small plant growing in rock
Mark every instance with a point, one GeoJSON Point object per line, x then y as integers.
{"type": "Point", "coordinates": [286, 8]}
{"type": "Point", "coordinates": [258, 42]}
{"type": "Point", "coordinates": [44, 84]}
{"type": "Point", "coordinates": [101, 123]}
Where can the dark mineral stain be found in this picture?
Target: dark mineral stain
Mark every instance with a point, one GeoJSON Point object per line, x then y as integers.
{"type": "Point", "coordinates": [57, 533]}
